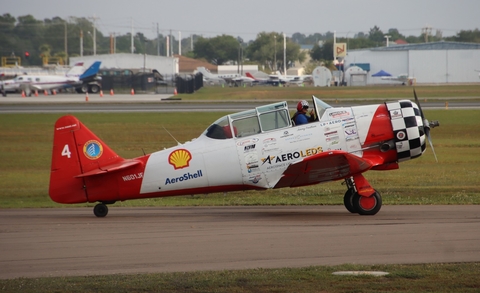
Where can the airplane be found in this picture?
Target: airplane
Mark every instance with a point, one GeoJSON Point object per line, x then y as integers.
{"type": "Point", "coordinates": [233, 79]}
{"type": "Point", "coordinates": [403, 78]}
{"type": "Point", "coordinates": [289, 79]}
{"type": "Point", "coordinates": [263, 81]}
{"type": "Point", "coordinates": [77, 77]}
{"type": "Point", "coordinates": [259, 149]}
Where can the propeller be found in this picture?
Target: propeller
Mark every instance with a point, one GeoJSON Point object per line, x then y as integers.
{"type": "Point", "coordinates": [427, 125]}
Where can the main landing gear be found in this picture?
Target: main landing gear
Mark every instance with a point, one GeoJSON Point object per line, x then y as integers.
{"type": "Point", "coordinates": [101, 209]}
{"type": "Point", "coordinates": [362, 204]}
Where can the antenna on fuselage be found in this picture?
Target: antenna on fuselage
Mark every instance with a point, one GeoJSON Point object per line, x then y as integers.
{"type": "Point", "coordinates": [171, 135]}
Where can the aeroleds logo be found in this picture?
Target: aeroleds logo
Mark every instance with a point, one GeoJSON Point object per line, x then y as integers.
{"type": "Point", "coordinates": [92, 149]}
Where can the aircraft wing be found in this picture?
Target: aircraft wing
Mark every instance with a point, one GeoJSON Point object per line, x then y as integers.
{"type": "Point", "coordinates": [326, 166]}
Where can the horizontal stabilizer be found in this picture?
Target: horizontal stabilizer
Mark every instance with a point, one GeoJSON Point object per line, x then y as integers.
{"type": "Point", "coordinates": [326, 166]}
{"type": "Point", "coordinates": [110, 168]}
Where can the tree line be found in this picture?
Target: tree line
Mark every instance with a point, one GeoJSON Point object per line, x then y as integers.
{"type": "Point", "coordinates": [58, 37]}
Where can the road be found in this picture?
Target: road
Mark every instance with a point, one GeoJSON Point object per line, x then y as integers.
{"type": "Point", "coordinates": [73, 242]}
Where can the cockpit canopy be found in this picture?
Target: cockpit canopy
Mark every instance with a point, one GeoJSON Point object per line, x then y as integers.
{"type": "Point", "coordinates": [261, 119]}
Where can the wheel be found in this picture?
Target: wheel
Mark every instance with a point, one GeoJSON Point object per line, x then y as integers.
{"type": "Point", "coordinates": [100, 210]}
{"type": "Point", "coordinates": [83, 89]}
{"type": "Point", "coordinates": [367, 205]}
{"type": "Point", "coordinates": [348, 200]}
{"type": "Point", "coordinates": [94, 88]}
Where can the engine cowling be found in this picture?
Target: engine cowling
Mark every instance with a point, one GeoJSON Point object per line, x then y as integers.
{"type": "Point", "coordinates": [408, 129]}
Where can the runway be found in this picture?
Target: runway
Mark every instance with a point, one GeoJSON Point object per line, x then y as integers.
{"type": "Point", "coordinates": [72, 103]}
{"type": "Point", "coordinates": [72, 242]}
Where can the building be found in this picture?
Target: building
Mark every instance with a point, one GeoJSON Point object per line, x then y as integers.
{"type": "Point", "coordinates": [436, 63]}
{"type": "Point", "coordinates": [167, 66]}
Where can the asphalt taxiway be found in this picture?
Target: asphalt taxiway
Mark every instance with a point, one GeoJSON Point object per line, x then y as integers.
{"type": "Point", "coordinates": [72, 241]}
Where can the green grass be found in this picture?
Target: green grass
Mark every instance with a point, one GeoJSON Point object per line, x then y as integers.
{"type": "Point", "coordinates": [333, 93]}
{"type": "Point", "coordinates": [25, 154]}
{"type": "Point", "coordinates": [437, 278]}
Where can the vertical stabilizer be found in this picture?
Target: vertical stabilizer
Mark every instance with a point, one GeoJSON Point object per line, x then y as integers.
{"type": "Point", "coordinates": [76, 151]}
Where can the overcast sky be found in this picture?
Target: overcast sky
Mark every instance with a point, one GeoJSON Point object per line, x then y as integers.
{"type": "Point", "coordinates": [246, 18]}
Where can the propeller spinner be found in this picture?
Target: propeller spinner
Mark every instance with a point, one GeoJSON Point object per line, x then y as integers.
{"type": "Point", "coordinates": [427, 125]}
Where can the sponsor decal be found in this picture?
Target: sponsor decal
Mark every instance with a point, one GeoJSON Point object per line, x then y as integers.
{"type": "Point", "coordinates": [180, 158]}
{"type": "Point", "coordinates": [395, 114]}
{"type": "Point", "coordinates": [401, 135]}
{"type": "Point", "coordinates": [290, 156]}
{"type": "Point", "coordinates": [338, 114]}
{"type": "Point", "coordinates": [286, 134]}
{"type": "Point", "coordinates": [255, 179]}
{"type": "Point", "coordinates": [133, 176]}
{"type": "Point", "coordinates": [184, 177]}
{"type": "Point", "coordinates": [66, 127]}
{"type": "Point", "coordinates": [247, 142]}
{"type": "Point", "coordinates": [331, 122]}
{"type": "Point", "coordinates": [352, 131]}
{"type": "Point", "coordinates": [93, 149]}
{"type": "Point", "coordinates": [249, 148]}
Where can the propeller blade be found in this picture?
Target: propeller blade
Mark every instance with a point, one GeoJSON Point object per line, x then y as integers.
{"type": "Point", "coordinates": [426, 125]}
{"type": "Point", "coordinates": [427, 133]}
{"type": "Point", "coordinates": [418, 104]}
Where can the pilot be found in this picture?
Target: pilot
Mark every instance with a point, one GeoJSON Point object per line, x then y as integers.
{"type": "Point", "coordinates": [301, 117]}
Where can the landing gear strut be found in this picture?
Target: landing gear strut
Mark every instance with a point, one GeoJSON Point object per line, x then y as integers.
{"type": "Point", "coordinates": [361, 204]}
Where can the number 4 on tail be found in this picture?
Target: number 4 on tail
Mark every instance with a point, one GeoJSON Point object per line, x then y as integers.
{"type": "Point", "coordinates": [66, 151]}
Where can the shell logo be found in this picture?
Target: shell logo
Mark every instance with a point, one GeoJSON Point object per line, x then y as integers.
{"type": "Point", "coordinates": [180, 158]}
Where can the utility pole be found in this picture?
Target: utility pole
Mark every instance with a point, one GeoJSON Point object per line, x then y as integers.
{"type": "Point", "coordinates": [131, 39]}
{"type": "Point", "coordinates": [275, 53]}
{"type": "Point", "coordinates": [94, 18]}
{"type": "Point", "coordinates": [158, 41]}
{"type": "Point", "coordinates": [284, 54]}
{"type": "Point", "coordinates": [66, 47]}
{"type": "Point", "coordinates": [179, 43]}
{"type": "Point", "coordinates": [81, 43]}
{"type": "Point", "coordinates": [426, 32]}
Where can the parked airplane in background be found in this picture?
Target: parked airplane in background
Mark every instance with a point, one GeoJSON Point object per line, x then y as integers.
{"type": "Point", "coordinates": [77, 77]}
{"type": "Point", "coordinates": [403, 78]}
{"type": "Point", "coordinates": [232, 79]}
{"type": "Point", "coordinates": [257, 149]}
{"type": "Point", "coordinates": [289, 79]}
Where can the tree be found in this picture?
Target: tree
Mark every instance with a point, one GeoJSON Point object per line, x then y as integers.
{"type": "Point", "coordinates": [376, 35]}
{"type": "Point", "coordinates": [267, 49]}
{"type": "Point", "coordinates": [217, 50]}
{"type": "Point", "coordinates": [470, 36]}
{"type": "Point", "coordinates": [324, 52]}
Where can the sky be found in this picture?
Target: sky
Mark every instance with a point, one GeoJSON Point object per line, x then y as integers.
{"type": "Point", "coordinates": [247, 18]}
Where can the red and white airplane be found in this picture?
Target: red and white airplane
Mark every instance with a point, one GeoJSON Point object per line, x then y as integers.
{"type": "Point", "coordinates": [259, 149]}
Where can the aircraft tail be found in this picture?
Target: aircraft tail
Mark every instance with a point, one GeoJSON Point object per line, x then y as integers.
{"type": "Point", "coordinates": [91, 71]}
{"type": "Point", "coordinates": [248, 74]}
{"type": "Point", "coordinates": [76, 70]}
{"type": "Point", "coordinates": [78, 154]}
{"type": "Point", "coordinates": [204, 71]}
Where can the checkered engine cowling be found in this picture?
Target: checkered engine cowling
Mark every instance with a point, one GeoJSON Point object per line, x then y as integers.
{"type": "Point", "coordinates": [408, 130]}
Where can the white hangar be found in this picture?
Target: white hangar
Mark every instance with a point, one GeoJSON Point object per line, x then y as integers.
{"type": "Point", "coordinates": [436, 63]}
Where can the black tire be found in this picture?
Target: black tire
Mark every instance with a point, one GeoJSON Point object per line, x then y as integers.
{"type": "Point", "coordinates": [94, 88]}
{"type": "Point", "coordinates": [348, 200]}
{"type": "Point", "coordinates": [83, 89]}
{"type": "Point", "coordinates": [100, 210]}
{"type": "Point", "coordinates": [367, 206]}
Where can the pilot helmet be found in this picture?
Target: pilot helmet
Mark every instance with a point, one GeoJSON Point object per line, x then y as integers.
{"type": "Point", "coordinates": [302, 105]}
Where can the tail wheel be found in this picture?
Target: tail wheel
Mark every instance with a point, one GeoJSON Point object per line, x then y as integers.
{"type": "Point", "coordinates": [348, 200]}
{"type": "Point", "coordinates": [100, 210]}
{"type": "Point", "coordinates": [367, 205]}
